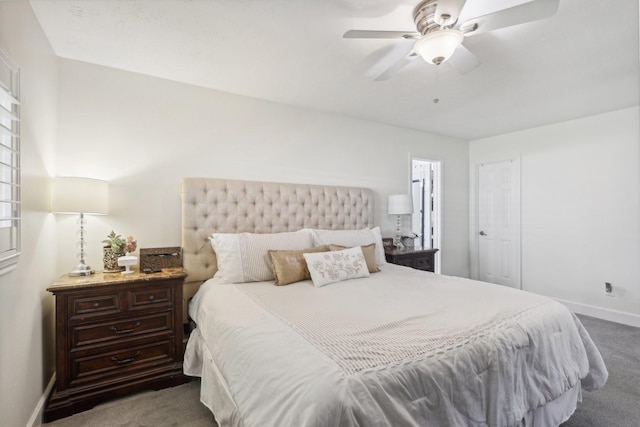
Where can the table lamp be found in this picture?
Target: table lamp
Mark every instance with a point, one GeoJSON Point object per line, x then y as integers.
{"type": "Point", "coordinates": [82, 196]}
{"type": "Point", "coordinates": [399, 204]}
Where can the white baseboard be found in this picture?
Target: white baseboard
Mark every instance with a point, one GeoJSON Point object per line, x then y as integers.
{"type": "Point", "coordinates": [38, 412]}
{"type": "Point", "coordinates": [603, 313]}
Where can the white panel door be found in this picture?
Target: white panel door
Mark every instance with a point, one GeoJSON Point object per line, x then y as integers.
{"type": "Point", "coordinates": [499, 223]}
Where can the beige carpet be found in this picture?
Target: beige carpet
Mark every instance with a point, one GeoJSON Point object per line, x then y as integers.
{"type": "Point", "coordinates": [176, 406]}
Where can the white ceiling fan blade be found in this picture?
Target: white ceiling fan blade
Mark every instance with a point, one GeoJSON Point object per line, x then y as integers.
{"type": "Point", "coordinates": [365, 34]}
{"type": "Point", "coordinates": [397, 66]}
{"type": "Point", "coordinates": [463, 60]}
{"type": "Point", "coordinates": [451, 11]}
{"type": "Point", "coordinates": [527, 12]}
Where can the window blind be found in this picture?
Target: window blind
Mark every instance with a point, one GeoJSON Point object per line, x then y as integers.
{"type": "Point", "coordinates": [10, 208]}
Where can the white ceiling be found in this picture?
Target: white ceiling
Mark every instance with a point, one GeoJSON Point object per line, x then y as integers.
{"type": "Point", "coordinates": [581, 61]}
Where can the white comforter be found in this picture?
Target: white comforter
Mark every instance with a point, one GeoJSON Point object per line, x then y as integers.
{"type": "Point", "coordinates": [400, 348]}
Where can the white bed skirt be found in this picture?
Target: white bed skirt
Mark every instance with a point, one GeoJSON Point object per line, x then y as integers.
{"type": "Point", "coordinates": [215, 395]}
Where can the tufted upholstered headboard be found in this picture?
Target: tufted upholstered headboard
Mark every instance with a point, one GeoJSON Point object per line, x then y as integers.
{"type": "Point", "coordinates": [232, 206]}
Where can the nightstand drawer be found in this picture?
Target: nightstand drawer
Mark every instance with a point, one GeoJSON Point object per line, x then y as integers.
{"type": "Point", "coordinates": [404, 260]}
{"type": "Point", "coordinates": [96, 334]}
{"type": "Point", "coordinates": [425, 263]}
{"type": "Point", "coordinates": [121, 363]}
{"type": "Point", "coordinates": [95, 305]}
{"type": "Point", "coordinates": [418, 258]}
{"type": "Point", "coordinates": [150, 297]}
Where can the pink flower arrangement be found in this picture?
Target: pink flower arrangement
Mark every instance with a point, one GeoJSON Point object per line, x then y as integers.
{"type": "Point", "coordinates": [131, 245]}
{"type": "Point", "coordinates": [120, 245]}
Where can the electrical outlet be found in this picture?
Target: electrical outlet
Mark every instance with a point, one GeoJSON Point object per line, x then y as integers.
{"type": "Point", "coordinates": [608, 289]}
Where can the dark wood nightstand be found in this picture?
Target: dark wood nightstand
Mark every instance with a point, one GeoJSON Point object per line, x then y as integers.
{"type": "Point", "coordinates": [418, 258]}
{"type": "Point", "coordinates": [116, 334]}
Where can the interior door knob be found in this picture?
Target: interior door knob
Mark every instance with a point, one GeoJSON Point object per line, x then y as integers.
{"type": "Point", "coordinates": [482, 233]}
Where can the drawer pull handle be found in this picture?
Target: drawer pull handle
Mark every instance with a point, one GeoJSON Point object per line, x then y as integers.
{"type": "Point", "coordinates": [123, 361]}
{"type": "Point", "coordinates": [124, 331]}
{"type": "Point", "coordinates": [151, 297]}
{"type": "Point", "coordinates": [96, 304]}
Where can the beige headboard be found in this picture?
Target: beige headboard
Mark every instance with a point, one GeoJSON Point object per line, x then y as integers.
{"type": "Point", "coordinates": [231, 206]}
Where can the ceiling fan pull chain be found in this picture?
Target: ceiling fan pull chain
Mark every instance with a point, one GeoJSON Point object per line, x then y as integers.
{"type": "Point", "coordinates": [436, 99]}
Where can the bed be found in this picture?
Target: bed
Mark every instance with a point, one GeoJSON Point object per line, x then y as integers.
{"type": "Point", "coordinates": [369, 343]}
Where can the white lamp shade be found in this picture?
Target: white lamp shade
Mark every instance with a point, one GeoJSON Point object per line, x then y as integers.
{"type": "Point", "coordinates": [400, 204]}
{"type": "Point", "coordinates": [80, 195]}
{"type": "Point", "coordinates": [438, 46]}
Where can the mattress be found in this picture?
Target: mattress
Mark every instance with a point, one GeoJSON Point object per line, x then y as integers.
{"type": "Point", "coordinates": [400, 348]}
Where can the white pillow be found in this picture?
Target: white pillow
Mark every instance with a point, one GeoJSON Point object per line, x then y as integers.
{"type": "Point", "coordinates": [244, 257]}
{"type": "Point", "coordinates": [350, 238]}
{"type": "Point", "coordinates": [380, 257]}
{"type": "Point", "coordinates": [227, 249]}
{"type": "Point", "coordinates": [336, 266]}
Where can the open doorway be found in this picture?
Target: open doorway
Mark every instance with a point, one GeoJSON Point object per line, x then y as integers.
{"type": "Point", "coordinates": [426, 192]}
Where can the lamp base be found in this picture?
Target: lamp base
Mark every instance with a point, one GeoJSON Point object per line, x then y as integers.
{"type": "Point", "coordinates": [82, 270]}
{"type": "Point", "coordinates": [397, 239]}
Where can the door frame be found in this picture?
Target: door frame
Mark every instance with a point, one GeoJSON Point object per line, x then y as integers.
{"type": "Point", "coordinates": [474, 205]}
{"type": "Point", "coordinates": [438, 204]}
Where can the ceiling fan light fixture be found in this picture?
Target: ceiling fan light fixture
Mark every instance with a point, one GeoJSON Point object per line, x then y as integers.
{"type": "Point", "coordinates": [438, 46]}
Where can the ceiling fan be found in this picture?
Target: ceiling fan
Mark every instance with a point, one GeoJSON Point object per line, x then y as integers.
{"type": "Point", "coordinates": [439, 36]}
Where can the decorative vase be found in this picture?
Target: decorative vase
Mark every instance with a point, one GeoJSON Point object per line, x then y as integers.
{"type": "Point", "coordinates": [110, 260]}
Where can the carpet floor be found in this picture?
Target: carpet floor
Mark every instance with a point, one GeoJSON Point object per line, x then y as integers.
{"type": "Point", "coordinates": [170, 407]}
{"type": "Point", "coordinates": [617, 404]}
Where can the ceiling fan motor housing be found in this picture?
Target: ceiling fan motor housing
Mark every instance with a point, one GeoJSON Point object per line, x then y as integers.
{"type": "Point", "coordinates": [424, 16]}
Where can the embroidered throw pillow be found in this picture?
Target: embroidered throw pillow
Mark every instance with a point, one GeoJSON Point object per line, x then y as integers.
{"type": "Point", "coordinates": [369, 252]}
{"type": "Point", "coordinates": [336, 266]}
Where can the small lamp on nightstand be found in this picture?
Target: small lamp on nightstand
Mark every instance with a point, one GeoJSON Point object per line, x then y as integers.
{"type": "Point", "coordinates": [80, 196]}
{"type": "Point", "coordinates": [399, 204]}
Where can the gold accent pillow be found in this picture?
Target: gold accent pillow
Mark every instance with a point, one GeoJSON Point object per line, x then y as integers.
{"type": "Point", "coordinates": [369, 252]}
{"type": "Point", "coordinates": [290, 266]}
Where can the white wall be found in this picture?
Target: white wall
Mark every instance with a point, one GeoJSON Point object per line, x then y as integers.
{"type": "Point", "coordinates": [26, 309]}
{"type": "Point", "coordinates": [143, 134]}
{"type": "Point", "coordinates": [580, 209]}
